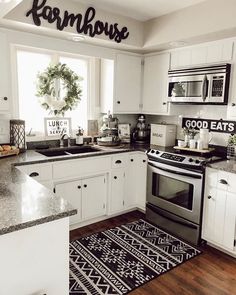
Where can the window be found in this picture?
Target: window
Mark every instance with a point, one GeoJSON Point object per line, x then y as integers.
{"type": "Point", "coordinates": [29, 64]}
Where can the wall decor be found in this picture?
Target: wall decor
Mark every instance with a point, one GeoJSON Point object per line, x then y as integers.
{"type": "Point", "coordinates": [213, 125]}
{"type": "Point", "coordinates": [58, 89]}
{"type": "Point", "coordinates": [84, 24]}
{"type": "Point", "coordinates": [56, 126]}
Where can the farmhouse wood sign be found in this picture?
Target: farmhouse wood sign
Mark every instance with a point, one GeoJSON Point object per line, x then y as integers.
{"type": "Point", "coordinates": [84, 24]}
{"type": "Point", "coordinates": [212, 125]}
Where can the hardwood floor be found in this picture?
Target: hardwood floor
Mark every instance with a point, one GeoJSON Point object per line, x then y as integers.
{"type": "Point", "coordinates": [211, 273]}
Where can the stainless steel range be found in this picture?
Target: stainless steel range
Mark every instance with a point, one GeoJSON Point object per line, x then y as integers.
{"type": "Point", "coordinates": [175, 192]}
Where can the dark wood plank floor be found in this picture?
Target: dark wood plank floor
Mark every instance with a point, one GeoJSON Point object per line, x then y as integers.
{"type": "Point", "coordinates": [211, 273]}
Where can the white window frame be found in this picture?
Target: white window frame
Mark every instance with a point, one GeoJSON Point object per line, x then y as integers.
{"type": "Point", "coordinates": [55, 58]}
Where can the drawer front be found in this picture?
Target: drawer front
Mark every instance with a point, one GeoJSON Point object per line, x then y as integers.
{"type": "Point", "coordinates": [223, 180]}
{"type": "Point", "coordinates": [74, 168]}
{"type": "Point", "coordinates": [232, 182]}
{"type": "Point", "coordinates": [120, 161]}
{"type": "Point", "coordinates": [40, 171]}
{"type": "Point", "coordinates": [211, 177]}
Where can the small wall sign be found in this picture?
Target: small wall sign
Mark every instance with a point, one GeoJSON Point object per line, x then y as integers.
{"type": "Point", "coordinates": [84, 24]}
{"type": "Point", "coordinates": [213, 125]}
{"type": "Point", "coordinates": [55, 126]}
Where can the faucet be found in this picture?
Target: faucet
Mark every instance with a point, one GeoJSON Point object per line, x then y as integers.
{"type": "Point", "coordinates": [62, 137]}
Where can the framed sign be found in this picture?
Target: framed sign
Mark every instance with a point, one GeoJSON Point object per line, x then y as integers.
{"type": "Point", "coordinates": [55, 126]}
{"type": "Point", "coordinates": [213, 125]}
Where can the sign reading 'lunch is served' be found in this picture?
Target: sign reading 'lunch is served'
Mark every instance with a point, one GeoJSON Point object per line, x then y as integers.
{"type": "Point", "coordinates": [212, 125]}
{"type": "Point", "coordinates": [84, 24]}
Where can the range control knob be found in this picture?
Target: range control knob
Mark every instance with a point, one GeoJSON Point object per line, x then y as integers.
{"type": "Point", "coordinates": [197, 161]}
{"type": "Point", "coordinates": [152, 151]}
{"type": "Point", "coordinates": [157, 152]}
{"type": "Point", "coordinates": [190, 160]}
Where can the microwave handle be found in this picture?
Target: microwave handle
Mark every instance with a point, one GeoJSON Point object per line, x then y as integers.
{"type": "Point", "coordinates": [204, 88]}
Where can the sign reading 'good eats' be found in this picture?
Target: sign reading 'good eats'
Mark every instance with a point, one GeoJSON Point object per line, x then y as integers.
{"type": "Point", "coordinates": [84, 24]}
{"type": "Point", "coordinates": [212, 125]}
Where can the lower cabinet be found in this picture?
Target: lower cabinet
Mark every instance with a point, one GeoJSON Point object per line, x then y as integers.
{"type": "Point", "coordinates": [88, 196]}
{"type": "Point", "coordinates": [117, 198]}
{"type": "Point", "coordinates": [219, 215]}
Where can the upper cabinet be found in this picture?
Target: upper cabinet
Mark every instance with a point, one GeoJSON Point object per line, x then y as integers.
{"type": "Point", "coordinates": [4, 75]}
{"type": "Point", "coordinates": [155, 84]}
{"type": "Point", "coordinates": [121, 84]}
{"type": "Point", "coordinates": [208, 53]}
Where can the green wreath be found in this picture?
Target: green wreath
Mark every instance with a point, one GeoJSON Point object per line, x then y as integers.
{"type": "Point", "coordinates": [49, 89]}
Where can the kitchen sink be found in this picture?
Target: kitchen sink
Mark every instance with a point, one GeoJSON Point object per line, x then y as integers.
{"type": "Point", "coordinates": [68, 151]}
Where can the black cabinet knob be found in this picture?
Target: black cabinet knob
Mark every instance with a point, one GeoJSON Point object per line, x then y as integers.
{"type": "Point", "coordinates": [115, 177]}
{"type": "Point", "coordinates": [118, 101]}
{"type": "Point", "coordinates": [233, 104]}
{"type": "Point", "coordinates": [34, 174]}
{"type": "Point", "coordinates": [85, 185]}
{"type": "Point", "coordinates": [131, 160]}
{"type": "Point", "coordinates": [79, 187]}
{"type": "Point", "coordinates": [209, 197]}
{"type": "Point", "coordinates": [144, 161]}
{"type": "Point", "coordinates": [5, 98]}
{"type": "Point", "coordinates": [164, 103]}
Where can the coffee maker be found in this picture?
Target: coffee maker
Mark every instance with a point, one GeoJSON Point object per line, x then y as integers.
{"type": "Point", "coordinates": [141, 133]}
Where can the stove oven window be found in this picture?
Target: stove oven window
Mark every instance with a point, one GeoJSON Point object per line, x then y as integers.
{"type": "Point", "coordinates": [173, 191]}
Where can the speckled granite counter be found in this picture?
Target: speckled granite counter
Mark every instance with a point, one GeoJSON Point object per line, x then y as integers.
{"type": "Point", "coordinates": [226, 165]}
{"type": "Point", "coordinates": [24, 202]}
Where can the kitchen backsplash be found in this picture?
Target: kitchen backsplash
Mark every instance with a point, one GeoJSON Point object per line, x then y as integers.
{"type": "Point", "coordinates": [4, 129]}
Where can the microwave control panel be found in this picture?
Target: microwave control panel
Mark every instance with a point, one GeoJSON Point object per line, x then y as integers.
{"type": "Point", "coordinates": [217, 86]}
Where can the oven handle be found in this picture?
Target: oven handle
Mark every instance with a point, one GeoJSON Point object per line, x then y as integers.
{"type": "Point", "coordinates": [176, 172]}
{"type": "Point", "coordinates": [188, 224]}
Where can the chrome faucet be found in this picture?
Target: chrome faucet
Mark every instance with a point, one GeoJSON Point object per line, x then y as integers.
{"type": "Point", "coordinates": [62, 137]}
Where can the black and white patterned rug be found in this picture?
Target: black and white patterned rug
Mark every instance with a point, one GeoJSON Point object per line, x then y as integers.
{"type": "Point", "coordinates": [121, 259]}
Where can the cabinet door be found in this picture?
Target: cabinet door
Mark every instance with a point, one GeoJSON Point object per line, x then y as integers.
{"type": "Point", "coordinates": [131, 182]}
{"type": "Point", "coordinates": [141, 181]}
{"type": "Point", "coordinates": [127, 96]}
{"type": "Point", "coordinates": [94, 196]}
{"type": "Point", "coordinates": [117, 190]}
{"type": "Point", "coordinates": [155, 88]}
{"type": "Point", "coordinates": [4, 74]}
{"type": "Point", "coordinates": [219, 222]}
{"type": "Point", "coordinates": [72, 192]}
{"type": "Point", "coordinates": [230, 222]}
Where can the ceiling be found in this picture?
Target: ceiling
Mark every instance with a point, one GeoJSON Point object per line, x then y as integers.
{"type": "Point", "coordinates": [141, 10]}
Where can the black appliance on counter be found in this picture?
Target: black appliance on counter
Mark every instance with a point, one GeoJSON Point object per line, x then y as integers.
{"type": "Point", "coordinates": [141, 133]}
{"type": "Point", "coordinates": [175, 184]}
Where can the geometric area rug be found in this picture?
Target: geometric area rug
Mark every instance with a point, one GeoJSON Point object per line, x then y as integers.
{"type": "Point", "coordinates": [119, 260]}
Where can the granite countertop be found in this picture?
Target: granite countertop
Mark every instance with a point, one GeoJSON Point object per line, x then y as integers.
{"type": "Point", "coordinates": [24, 202]}
{"type": "Point", "coordinates": [225, 165]}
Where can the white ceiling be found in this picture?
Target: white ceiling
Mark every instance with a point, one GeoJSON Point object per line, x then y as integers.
{"type": "Point", "coordinates": [141, 10]}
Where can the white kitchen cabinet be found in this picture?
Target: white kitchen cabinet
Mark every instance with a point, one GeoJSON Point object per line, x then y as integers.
{"type": "Point", "coordinates": [117, 198]}
{"type": "Point", "coordinates": [219, 214]}
{"type": "Point", "coordinates": [88, 196]}
{"type": "Point", "coordinates": [94, 196]}
{"type": "Point", "coordinates": [72, 192]}
{"type": "Point", "coordinates": [4, 74]}
{"type": "Point", "coordinates": [155, 87]}
{"type": "Point", "coordinates": [203, 54]}
{"type": "Point", "coordinates": [135, 181]}
{"type": "Point", "coordinates": [121, 84]}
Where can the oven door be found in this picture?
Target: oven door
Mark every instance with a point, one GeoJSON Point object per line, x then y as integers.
{"type": "Point", "coordinates": [175, 190]}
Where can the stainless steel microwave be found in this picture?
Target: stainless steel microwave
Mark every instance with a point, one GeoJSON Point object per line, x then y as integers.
{"type": "Point", "coordinates": [205, 85]}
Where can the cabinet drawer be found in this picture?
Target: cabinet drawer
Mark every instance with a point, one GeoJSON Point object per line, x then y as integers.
{"type": "Point", "coordinates": [119, 161]}
{"type": "Point", "coordinates": [75, 168]}
{"type": "Point", "coordinates": [38, 171]}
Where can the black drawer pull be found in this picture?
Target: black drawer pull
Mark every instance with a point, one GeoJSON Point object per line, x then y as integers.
{"type": "Point", "coordinates": [34, 174]}
{"type": "Point", "coordinates": [5, 98]}
{"type": "Point", "coordinates": [118, 162]}
{"type": "Point", "coordinates": [223, 181]}
{"type": "Point", "coordinates": [115, 177]}
{"type": "Point", "coordinates": [79, 187]}
{"type": "Point", "coordinates": [85, 185]}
